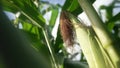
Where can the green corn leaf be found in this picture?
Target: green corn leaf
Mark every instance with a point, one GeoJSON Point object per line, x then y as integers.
{"type": "Point", "coordinates": [7, 6]}
{"type": "Point", "coordinates": [28, 9]}
{"type": "Point", "coordinates": [54, 16]}
{"type": "Point", "coordinates": [73, 6]}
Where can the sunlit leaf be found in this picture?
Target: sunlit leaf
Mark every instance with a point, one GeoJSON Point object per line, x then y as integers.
{"type": "Point", "coordinates": [54, 16]}
{"type": "Point", "coordinates": [29, 9]}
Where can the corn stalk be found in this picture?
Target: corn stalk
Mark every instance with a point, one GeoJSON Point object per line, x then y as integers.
{"type": "Point", "coordinates": [107, 41]}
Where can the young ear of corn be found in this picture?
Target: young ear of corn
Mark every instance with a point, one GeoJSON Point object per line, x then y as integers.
{"type": "Point", "coordinates": [90, 47]}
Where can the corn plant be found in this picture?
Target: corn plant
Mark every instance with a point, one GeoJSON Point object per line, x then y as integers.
{"type": "Point", "coordinates": [27, 41]}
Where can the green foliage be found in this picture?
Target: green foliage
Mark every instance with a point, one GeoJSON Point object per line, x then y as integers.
{"type": "Point", "coordinates": [73, 6]}
{"type": "Point", "coordinates": [31, 44]}
{"type": "Point", "coordinates": [53, 17]}
{"type": "Point", "coordinates": [112, 21]}
{"type": "Point", "coordinates": [27, 8]}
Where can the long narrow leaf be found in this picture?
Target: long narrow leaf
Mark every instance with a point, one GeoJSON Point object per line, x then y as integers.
{"type": "Point", "coordinates": [27, 8]}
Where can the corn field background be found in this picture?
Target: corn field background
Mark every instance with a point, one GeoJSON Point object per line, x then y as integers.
{"type": "Point", "coordinates": [63, 41]}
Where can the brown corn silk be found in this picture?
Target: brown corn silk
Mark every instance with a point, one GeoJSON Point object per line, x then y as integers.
{"type": "Point", "coordinates": [66, 29]}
